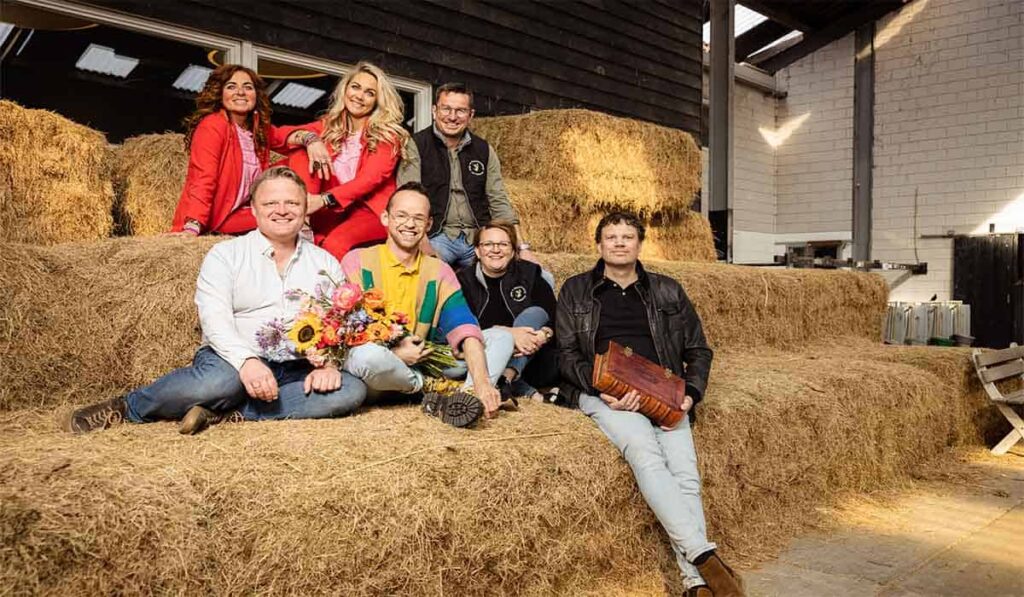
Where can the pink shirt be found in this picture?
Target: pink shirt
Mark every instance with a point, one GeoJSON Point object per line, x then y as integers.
{"type": "Point", "coordinates": [347, 161]}
{"type": "Point", "coordinates": [250, 166]}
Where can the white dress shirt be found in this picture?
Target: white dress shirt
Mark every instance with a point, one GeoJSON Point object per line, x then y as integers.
{"type": "Point", "coordinates": [239, 290]}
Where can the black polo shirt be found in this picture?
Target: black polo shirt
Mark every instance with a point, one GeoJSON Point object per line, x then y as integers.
{"type": "Point", "coordinates": [624, 319]}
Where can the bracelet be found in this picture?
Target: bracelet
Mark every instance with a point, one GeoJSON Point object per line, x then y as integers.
{"type": "Point", "coordinates": [309, 137]}
{"type": "Point", "coordinates": [192, 226]}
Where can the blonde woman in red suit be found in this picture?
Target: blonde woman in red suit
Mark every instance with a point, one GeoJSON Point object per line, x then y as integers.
{"type": "Point", "coordinates": [364, 137]}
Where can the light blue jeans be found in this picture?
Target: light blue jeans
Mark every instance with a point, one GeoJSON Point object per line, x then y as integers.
{"type": "Point", "coordinates": [212, 382]}
{"type": "Point", "coordinates": [456, 252]}
{"type": "Point", "coordinates": [534, 318]}
{"type": "Point", "coordinates": [664, 464]}
{"type": "Point", "coordinates": [384, 372]}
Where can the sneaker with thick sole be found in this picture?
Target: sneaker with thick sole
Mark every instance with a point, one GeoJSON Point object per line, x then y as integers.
{"type": "Point", "coordinates": [97, 416]}
{"type": "Point", "coordinates": [459, 409]}
{"type": "Point", "coordinates": [198, 418]}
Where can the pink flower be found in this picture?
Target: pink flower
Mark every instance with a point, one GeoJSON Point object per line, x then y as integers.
{"type": "Point", "coordinates": [315, 357]}
{"type": "Point", "coordinates": [346, 296]}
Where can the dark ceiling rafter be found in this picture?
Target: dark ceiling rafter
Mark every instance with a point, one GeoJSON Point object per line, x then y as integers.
{"type": "Point", "coordinates": [758, 37]}
{"type": "Point", "coordinates": [827, 34]}
{"type": "Point", "coordinates": [821, 22]}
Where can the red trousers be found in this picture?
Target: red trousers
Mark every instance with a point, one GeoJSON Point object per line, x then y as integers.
{"type": "Point", "coordinates": [355, 227]}
{"type": "Point", "coordinates": [238, 222]}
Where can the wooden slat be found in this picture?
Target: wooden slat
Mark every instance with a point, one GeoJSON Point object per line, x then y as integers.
{"type": "Point", "coordinates": [991, 357]}
{"type": "Point", "coordinates": [1014, 397]}
{"type": "Point", "coordinates": [1001, 372]}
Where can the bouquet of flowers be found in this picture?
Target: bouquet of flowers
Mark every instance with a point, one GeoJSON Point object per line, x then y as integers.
{"type": "Point", "coordinates": [338, 317]}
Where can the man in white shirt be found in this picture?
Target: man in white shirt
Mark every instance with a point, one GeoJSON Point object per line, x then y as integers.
{"type": "Point", "coordinates": [242, 286]}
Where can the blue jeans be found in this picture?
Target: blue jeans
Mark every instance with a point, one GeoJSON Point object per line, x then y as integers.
{"type": "Point", "coordinates": [533, 318]}
{"type": "Point", "coordinates": [384, 372]}
{"type": "Point", "coordinates": [213, 383]}
{"type": "Point", "coordinates": [456, 252]}
{"type": "Point", "coordinates": [664, 464]}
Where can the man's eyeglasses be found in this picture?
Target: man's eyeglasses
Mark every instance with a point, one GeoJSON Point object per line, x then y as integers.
{"type": "Point", "coordinates": [402, 219]}
{"type": "Point", "coordinates": [503, 245]}
{"type": "Point", "coordinates": [448, 111]}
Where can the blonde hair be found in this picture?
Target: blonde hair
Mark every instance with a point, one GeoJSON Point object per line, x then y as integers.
{"type": "Point", "coordinates": [384, 123]}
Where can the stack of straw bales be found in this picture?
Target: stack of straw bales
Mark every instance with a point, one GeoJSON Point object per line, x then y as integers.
{"type": "Point", "coordinates": [54, 184]}
{"type": "Point", "coordinates": [798, 411]}
{"type": "Point", "coordinates": [149, 171]}
{"type": "Point", "coordinates": [565, 168]}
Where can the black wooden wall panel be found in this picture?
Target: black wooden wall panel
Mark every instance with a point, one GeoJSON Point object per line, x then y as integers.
{"type": "Point", "coordinates": [638, 59]}
{"type": "Point", "coordinates": [988, 273]}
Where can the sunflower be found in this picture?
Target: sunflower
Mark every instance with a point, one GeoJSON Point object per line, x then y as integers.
{"type": "Point", "coordinates": [305, 332]}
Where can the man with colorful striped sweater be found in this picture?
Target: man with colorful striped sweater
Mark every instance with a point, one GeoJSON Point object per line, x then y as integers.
{"type": "Point", "coordinates": [426, 289]}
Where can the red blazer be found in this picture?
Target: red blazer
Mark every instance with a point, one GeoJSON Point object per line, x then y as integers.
{"type": "Point", "coordinates": [215, 172]}
{"type": "Point", "coordinates": [375, 174]}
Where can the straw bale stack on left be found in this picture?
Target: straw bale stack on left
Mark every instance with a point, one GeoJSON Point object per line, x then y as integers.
{"type": "Point", "coordinates": [54, 183]}
{"type": "Point", "coordinates": [149, 171]}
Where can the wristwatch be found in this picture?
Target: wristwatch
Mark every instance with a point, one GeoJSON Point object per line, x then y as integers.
{"type": "Point", "coordinates": [329, 200]}
{"type": "Point", "coordinates": [524, 246]}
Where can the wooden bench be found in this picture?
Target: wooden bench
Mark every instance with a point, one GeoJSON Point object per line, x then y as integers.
{"type": "Point", "coordinates": [1001, 365]}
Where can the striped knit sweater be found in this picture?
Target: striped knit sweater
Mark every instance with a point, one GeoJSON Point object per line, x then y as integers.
{"type": "Point", "coordinates": [442, 314]}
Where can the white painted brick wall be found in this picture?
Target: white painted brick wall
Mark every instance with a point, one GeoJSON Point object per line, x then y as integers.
{"type": "Point", "coordinates": [754, 176]}
{"type": "Point", "coordinates": [814, 155]}
{"type": "Point", "coordinates": [949, 132]}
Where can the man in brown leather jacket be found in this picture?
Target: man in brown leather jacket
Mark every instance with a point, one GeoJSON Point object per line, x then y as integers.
{"type": "Point", "coordinates": [651, 314]}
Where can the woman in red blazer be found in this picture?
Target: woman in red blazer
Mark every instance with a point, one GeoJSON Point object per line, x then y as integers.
{"type": "Point", "coordinates": [229, 139]}
{"type": "Point", "coordinates": [365, 138]}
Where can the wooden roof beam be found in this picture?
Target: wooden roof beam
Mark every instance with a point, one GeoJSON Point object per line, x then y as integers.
{"type": "Point", "coordinates": [758, 37]}
{"type": "Point", "coordinates": [779, 15]}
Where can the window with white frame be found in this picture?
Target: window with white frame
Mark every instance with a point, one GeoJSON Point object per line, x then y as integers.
{"type": "Point", "coordinates": [126, 75]}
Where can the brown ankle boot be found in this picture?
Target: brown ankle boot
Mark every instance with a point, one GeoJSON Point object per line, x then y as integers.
{"type": "Point", "coordinates": [699, 591]}
{"type": "Point", "coordinates": [198, 418]}
{"type": "Point", "coordinates": [722, 581]}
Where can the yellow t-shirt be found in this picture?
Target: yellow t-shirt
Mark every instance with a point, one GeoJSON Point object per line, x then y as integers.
{"type": "Point", "coordinates": [400, 284]}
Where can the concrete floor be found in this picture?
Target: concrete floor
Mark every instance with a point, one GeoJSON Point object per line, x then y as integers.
{"type": "Point", "coordinates": [962, 538]}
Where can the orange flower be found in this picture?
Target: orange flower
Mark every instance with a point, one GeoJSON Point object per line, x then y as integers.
{"type": "Point", "coordinates": [378, 332]}
{"type": "Point", "coordinates": [373, 300]}
{"type": "Point", "coordinates": [357, 339]}
{"type": "Point", "coordinates": [329, 336]}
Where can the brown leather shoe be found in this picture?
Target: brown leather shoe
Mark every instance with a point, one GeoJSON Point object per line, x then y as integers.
{"type": "Point", "coordinates": [97, 416]}
{"type": "Point", "coordinates": [721, 579]}
{"type": "Point", "coordinates": [699, 591]}
{"type": "Point", "coordinates": [198, 418]}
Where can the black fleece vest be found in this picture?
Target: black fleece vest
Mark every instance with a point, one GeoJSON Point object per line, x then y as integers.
{"type": "Point", "coordinates": [436, 175]}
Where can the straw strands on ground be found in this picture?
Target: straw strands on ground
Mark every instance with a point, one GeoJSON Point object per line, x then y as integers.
{"type": "Point", "coordinates": [54, 186]}
{"type": "Point", "coordinates": [149, 171]}
{"type": "Point", "coordinates": [603, 161]}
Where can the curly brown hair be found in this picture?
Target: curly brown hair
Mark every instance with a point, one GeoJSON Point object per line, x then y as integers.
{"type": "Point", "coordinates": [210, 100]}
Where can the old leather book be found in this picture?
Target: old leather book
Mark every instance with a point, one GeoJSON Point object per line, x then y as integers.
{"type": "Point", "coordinates": [618, 371]}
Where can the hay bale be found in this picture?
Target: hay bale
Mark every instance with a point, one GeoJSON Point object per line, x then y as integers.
{"type": "Point", "coordinates": [556, 224]}
{"type": "Point", "coordinates": [750, 307]}
{"type": "Point", "coordinates": [604, 162]}
{"type": "Point", "coordinates": [54, 183]}
{"type": "Point", "coordinates": [149, 171]}
{"type": "Point", "coordinates": [386, 502]}
{"type": "Point", "coordinates": [86, 320]}
{"type": "Point", "coordinates": [127, 313]}
{"type": "Point", "coordinates": [391, 502]}
{"type": "Point", "coordinates": [552, 223]}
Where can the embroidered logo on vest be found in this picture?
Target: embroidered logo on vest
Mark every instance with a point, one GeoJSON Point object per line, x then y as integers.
{"type": "Point", "coordinates": [518, 294]}
{"type": "Point", "coordinates": [476, 167]}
